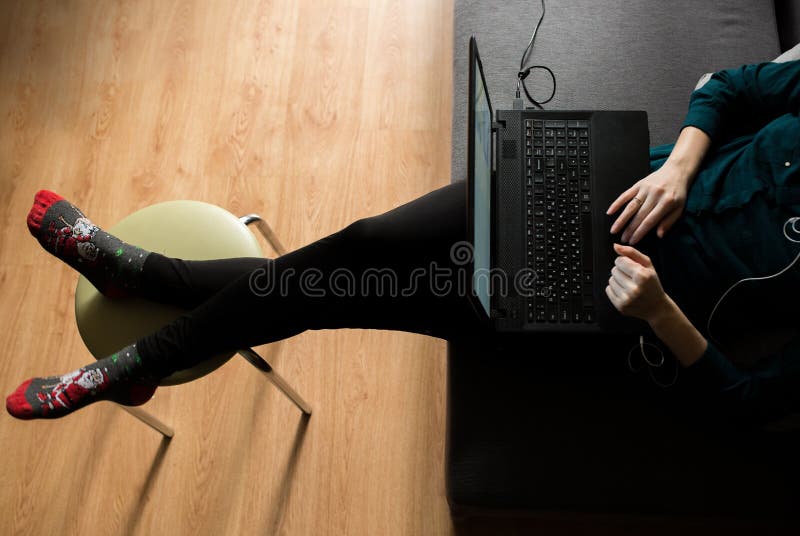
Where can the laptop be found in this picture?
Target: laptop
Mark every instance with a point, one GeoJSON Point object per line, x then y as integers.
{"type": "Point", "coordinates": [539, 184]}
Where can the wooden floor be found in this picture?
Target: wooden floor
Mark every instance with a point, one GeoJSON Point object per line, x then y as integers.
{"type": "Point", "coordinates": [311, 112]}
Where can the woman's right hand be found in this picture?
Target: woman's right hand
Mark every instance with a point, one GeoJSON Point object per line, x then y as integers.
{"type": "Point", "coordinates": [656, 200]}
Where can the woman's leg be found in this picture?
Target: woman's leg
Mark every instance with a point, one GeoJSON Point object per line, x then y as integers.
{"type": "Point", "coordinates": [118, 269]}
{"type": "Point", "coordinates": [187, 284]}
{"type": "Point", "coordinates": [392, 271]}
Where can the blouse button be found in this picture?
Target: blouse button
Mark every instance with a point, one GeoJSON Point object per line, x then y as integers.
{"type": "Point", "coordinates": [787, 164]}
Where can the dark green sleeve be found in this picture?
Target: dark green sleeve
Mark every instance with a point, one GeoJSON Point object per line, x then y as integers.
{"type": "Point", "coordinates": [768, 392]}
{"type": "Point", "coordinates": [750, 94]}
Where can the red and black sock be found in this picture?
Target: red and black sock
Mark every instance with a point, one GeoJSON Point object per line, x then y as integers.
{"type": "Point", "coordinates": [110, 264]}
{"type": "Point", "coordinates": [119, 377]}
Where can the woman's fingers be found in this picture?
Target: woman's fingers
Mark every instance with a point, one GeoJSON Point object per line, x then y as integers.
{"type": "Point", "coordinates": [626, 265]}
{"type": "Point", "coordinates": [616, 301]}
{"type": "Point", "coordinates": [624, 197]}
{"type": "Point", "coordinates": [669, 220]}
{"type": "Point", "coordinates": [623, 281]}
{"type": "Point", "coordinates": [633, 254]}
{"type": "Point", "coordinates": [615, 285]}
{"type": "Point", "coordinates": [630, 210]}
{"type": "Point", "coordinates": [633, 287]}
{"type": "Point", "coordinates": [645, 220]}
{"type": "Point", "coordinates": [644, 208]}
{"type": "Point", "coordinates": [621, 288]}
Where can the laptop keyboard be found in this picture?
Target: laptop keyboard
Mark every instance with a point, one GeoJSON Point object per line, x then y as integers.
{"type": "Point", "coordinates": [559, 240]}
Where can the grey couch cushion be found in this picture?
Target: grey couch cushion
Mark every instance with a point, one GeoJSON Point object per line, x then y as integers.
{"type": "Point", "coordinates": [579, 433]}
{"type": "Point", "coordinates": [608, 54]}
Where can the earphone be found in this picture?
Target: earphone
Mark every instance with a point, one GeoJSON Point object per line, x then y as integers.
{"type": "Point", "coordinates": [793, 224]}
{"type": "Point", "coordinates": [795, 228]}
{"type": "Point", "coordinates": [651, 365]}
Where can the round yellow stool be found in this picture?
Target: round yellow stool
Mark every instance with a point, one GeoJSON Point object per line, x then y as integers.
{"type": "Point", "coordinates": [190, 230]}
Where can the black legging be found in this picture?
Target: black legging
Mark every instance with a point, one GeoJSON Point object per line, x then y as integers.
{"type": "Point", "coordinates": [359, 277]}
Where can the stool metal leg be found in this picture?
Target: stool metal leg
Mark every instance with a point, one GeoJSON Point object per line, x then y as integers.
{"type": "Point", "coordinates": [257, 361]}
{"type": "Point", "coordinates": [265, 230]}
{"type": "Point", "coordinates": [149, 420]}
{"type": "Point", "coordinates": [248, 353]}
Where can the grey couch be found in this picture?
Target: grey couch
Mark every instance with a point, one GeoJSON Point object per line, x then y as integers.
{"type": "Point", "coordinates": [542, 426]}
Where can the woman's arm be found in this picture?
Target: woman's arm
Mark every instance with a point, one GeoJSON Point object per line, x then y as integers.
{"type": "Point", "coordinates": [635, 290]}
{"type": "Point", "coordinates": [687, 155]}
{"type": "Point", "coordinates": [673, 328]}
{"type": "Point", "coordinates": [733, 101]}
{"type": "Point", "coordinates": [760, 395]}
{"type": "Point", "coordinates": [744, 98]}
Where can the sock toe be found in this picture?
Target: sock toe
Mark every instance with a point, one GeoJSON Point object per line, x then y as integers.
{"type": "Point", "coordinates": [43, 200]}
{"type": "Point", "coordinates": [17, 405]}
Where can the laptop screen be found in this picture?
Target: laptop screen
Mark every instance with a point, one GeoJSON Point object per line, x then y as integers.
{"type": "Point", "coordinates": [482, 134]}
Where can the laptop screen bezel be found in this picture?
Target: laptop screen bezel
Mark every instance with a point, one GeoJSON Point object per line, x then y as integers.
{"type": "Point", "coordinates": [475, 60]}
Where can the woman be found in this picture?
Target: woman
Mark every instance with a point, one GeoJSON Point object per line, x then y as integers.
{"type": "Point", "coordinates": [734, 168]}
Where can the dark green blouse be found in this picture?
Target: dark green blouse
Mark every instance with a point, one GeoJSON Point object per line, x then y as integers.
{"type": "Point", "coordinates": [732, 226]}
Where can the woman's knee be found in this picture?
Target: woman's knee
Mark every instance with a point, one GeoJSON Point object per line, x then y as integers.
{"type": "Point", "coordinates": [363, 232]}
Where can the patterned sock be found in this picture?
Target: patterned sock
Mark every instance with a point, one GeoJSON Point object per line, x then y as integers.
{"type": "Point", "coordinates": [119, 377]}
{"type": "Point", "coordinates": [61, 228]}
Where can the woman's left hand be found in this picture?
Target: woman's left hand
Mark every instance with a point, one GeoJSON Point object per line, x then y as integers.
{"type": "Point", "coordinates": [656, 201]}
{"type": "Point", "coordinates": [634, 288]}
